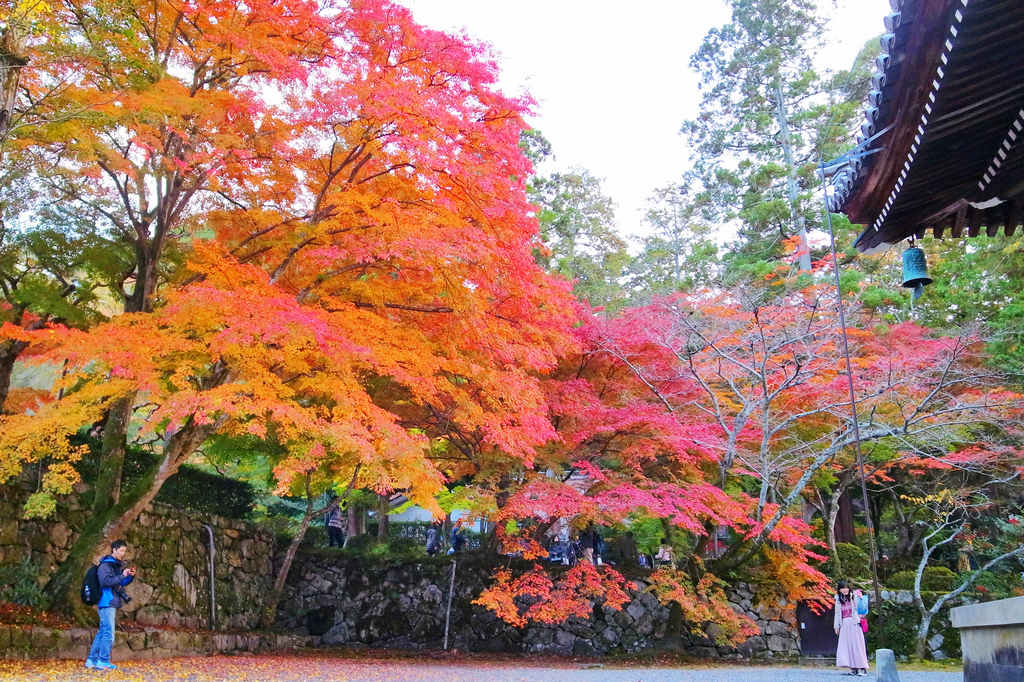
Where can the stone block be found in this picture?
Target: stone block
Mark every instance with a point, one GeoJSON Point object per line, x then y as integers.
{"type": "Point", "coordinates": [9, 531]}
{"type": "Point", "coordinates": [622, 618]}
{"type": "Point", "coordinates": [136, 641]}
{"type": "Point", "coordinates": [753, 645]}
{"type": "Point", "coordinates": [564, 638]}
{"type": "Point", "coordinates": [82, 636]}
{"type": "Point", "coordinates": [885, 666]}
{"type": "Point", "coordinates": [47, 640]}
{"type": "Point", "coordinates": [935, 641]}
{"type": "Point", "coordinates": [60, 533]}
{"type": "Point", "coordinates": [999, 613]}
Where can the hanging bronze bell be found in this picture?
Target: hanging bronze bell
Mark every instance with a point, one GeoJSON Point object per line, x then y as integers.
{"type": "Point", "coordinates": [915, 271]}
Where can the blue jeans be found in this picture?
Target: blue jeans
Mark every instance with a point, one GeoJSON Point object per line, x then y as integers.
{"type": "Point", "coordinates": [104, 639]}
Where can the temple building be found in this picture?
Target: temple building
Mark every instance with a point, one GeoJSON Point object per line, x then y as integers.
{"type": "Point", "coordinates": [940, 149]}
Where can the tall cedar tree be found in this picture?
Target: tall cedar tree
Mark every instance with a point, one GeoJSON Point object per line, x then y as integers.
{"type": "Point", "coordinates": [764, 113]}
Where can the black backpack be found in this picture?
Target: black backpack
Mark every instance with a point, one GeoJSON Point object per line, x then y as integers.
{"type": "Point", "coordinates": [91, 589]}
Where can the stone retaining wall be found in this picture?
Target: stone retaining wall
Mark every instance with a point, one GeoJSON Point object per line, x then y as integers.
{"type": "Point", "coordinates": [21, 642]}
{"type": "Point", "coordinates": [376, 605]}
{"type": "Point", "coordinates": [169, 547]}
{"type": "Point", "coordinates": [403, 606]}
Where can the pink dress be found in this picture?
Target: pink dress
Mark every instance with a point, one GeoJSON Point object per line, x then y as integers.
{"type": "Point", "coordinates": [851, 652]}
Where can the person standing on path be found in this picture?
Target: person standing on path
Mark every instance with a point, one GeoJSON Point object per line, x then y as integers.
{"type": "Point", "coordinates": [434, 538]}
{"type": "Point", "coordinates": [851, 652]}
{"type": "Point", "coordinates": [458, 537]}
{"type": "Point", "coordinates": [335, 524]}
{"type": "Point", "coordinates": [113, 577]}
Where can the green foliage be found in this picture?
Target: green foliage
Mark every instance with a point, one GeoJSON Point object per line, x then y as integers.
{"type": "Point", "coordinates": [577, 225]}
{"type": "Point", "coordinates": [369, 547]}
{"type": "Point", "coordinates": [934, 579]}
{"type": "Point", "coordinates": [190, 489]}
{"type": "Point", "coordinates": [976, 279]}
{"type": "Point", "coordinates": [855, 562]}
{"type": "Point", "coordinates": [205, 493]}
{"type": "Point", "coordinates": [680, 254]}
{"type": "Point", "coordinates": [647, 532]}
{"type": "Point", "coordinates": [894, 626]}
{"type": "Point", "coordinates": [758, 81]}
{"type": "Point", "coordinates": [994, 585]}
{"type": "Point", "coordinates": [19, 583]}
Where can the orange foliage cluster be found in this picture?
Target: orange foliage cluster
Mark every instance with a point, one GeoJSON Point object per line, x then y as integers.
{"type": "Point", "coordinates": [702, 603]}
{"type": "Point", "coordinates": [535, 596]}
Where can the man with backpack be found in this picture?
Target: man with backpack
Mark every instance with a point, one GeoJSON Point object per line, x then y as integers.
{"type": "Point", "coordinates": [111, 577]}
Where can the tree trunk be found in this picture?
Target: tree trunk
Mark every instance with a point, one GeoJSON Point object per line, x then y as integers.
{"type": "Point", "coordinates": [787, 149]}
{"type": "Point", "coordinates": [352, 516]}
{"type": "Point", "coordinates": [7, 359]}
{"type": "Point", "coordinates": [11, 62]}
{"type": "Point", "coordinates": [112, 524]}
{"type": "Point", "coordinates": [830, 528]}
{"type": "Point", "coordinates": [921, 643]}
{"type": "Point", "coordinates": [383, 523]}
{"type": "Point", "coordinates": [270, 607]}
{"type": "Point", "coordinates": [107, 489]}
{"type": "Point", "coordinates": [844, 528]}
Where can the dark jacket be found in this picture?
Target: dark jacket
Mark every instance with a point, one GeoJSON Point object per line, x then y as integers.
{"type": "Point", "coordinates": [112, 581]}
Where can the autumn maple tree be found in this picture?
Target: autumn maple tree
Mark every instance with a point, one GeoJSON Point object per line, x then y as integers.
{"type": "Point", "coordinates": [348, 200]}
{"type": "Point", "coordinates": [713, 411]}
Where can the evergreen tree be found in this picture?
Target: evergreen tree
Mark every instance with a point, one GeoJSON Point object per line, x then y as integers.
{"type": "Point", "coordinates": [577, 227]}
{"type": "Point", "coordinates": [679, 254]}
{"type": "Point", "coordinates": [765, 115]}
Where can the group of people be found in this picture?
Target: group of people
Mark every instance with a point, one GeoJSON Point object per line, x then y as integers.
{"type": "Point", "coordinates": [590, 545]}
{"type": "Point", "coordinates": [456, 540]}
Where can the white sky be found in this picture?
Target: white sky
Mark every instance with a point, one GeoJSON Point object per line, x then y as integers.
{"type": "Point", "coordinates": [612, 80]}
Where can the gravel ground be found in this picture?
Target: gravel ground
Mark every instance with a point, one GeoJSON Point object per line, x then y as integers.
{"type": "Point", "coordinates": [369, 669]}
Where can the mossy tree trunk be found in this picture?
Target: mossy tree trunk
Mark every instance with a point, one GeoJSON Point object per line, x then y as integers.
{"type": "Point", "coordinates": [834, 504]}
{"type": "Point", "coordinates": [113, 523]}
{"type": "Point", "coordinates": [107, 489]}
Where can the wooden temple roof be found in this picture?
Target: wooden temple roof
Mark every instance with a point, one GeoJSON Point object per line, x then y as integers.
{"type": "Point", "coordinates": [941, 148]}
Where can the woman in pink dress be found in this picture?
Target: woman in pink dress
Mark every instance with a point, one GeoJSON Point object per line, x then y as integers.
{"type": "Point", "coordinates": [851, 652]}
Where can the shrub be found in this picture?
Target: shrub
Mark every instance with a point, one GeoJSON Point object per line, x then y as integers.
{"type": "Point", "coordinates": [855, 562]}
{"type": "Point", "coordinates": [21, 583]}
{"type": "Point", "coordinates": [894, 626]}
{"type": "Point", "coordinates": [935, 579]}
{"type": "Point", "coordinates": [992, 585]}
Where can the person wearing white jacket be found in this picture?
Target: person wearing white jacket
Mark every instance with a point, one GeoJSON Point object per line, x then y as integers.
{"type": "Point", "coordinates": [851, 652]}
